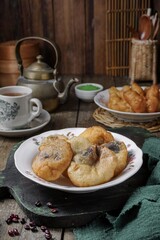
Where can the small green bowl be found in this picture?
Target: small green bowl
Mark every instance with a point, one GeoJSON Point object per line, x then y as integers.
{"type": "Point", "coordinates": [87, 91]}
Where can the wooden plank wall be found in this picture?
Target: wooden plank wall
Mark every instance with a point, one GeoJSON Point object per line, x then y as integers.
{"type": "Point", "coordinates": [77, 26]}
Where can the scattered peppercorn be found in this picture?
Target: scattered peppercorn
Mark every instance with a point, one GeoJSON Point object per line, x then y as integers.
{"type": "Point", "coordinates": [54, 210]}
{"type": "Point", "coordinates": [43, 228]}
{"type": "Point", "coordinates": [32, 224]}
{"type": "Point", "coordinates": [38, 204]}
{"type": "Point", "coordinates": [34, 229]}
{"type": "Point", "coordinates": [47, 231]}
{"type": "Point", "coordinates": [10, 233]}
{"type": "Point", "coordinates": [14, 218]}
{"type": "Point", "coordinates": [23, 221]}
{"type": "Point", "coordinates": [48, 236]}
{"type": "Point", "coordinates": [49, 204]}
{"type": "Point", "coordinates": [27, 227]}
{"type": "Point", "coordinates": [15, 231]}
{"type": "Point", "coordinates": [9, 221]}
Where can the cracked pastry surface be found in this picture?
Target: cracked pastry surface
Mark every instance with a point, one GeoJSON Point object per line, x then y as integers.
{"type": "Point", "coordinates": [120, 149]}
{"type": "Point", "coordinates": [91, 167]}
{"type": "Point", "coordinates": [55, 155]}
{"type": "Point", "coordinates": [97, 135]}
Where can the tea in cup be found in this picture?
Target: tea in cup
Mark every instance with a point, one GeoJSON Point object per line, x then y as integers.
{"type": "Point", "coordinates": [17, 107]}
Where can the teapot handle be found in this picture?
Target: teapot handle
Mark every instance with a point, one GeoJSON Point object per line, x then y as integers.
{"type": "Point", "coordinates": [18, 56]}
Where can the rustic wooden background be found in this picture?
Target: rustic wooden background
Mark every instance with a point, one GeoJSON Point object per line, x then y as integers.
{"type": "Point", "coordinates": [77, 26]}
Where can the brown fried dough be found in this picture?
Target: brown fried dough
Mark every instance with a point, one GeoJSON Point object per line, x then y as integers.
{"type": "Point", "coordinates": [79, 143]}
{"type": "Point", "coordinates": [117, 101]}
{"type": "Point", "coordinates": [91, 171]}
{"type": "Point", "coordinates": [53, 158]}
{"type": "Point", "coordinates": [97, 135]}
{"type": "Point", "coordinates": [136, 101]}
{"type": "Point", "coordinates": [87, 156]}
{"type": "Point", "coordinates": [120, 149]}
{"type": "Point", "coordinates": [119, 104]}
{"type": "Point", "coordinates": [152, 98]}
{"type": "Point", "coordinates": [50, 140]}
{"type": "Point", "coordinates": [113, 90]}
{"type": "Point", "coordinates": [124, 89]}
{"type": "Point", "coordinates": [135, 87]}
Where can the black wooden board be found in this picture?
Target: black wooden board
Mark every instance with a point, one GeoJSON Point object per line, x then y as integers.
{"type": "Point", "coordinates": [73, 209]}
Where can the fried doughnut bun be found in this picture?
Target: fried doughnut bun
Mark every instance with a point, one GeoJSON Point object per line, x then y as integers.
{"type": "Point", "coordinates": [90, 168]}
{"type": "Point", "coordinates": [120, 149]}
{"type": "Point", "coordinates": [97, 135]}
{"type": "Point", "coordinates": [50, 140]}
{"type": "Point", "coordinates": [79, 143]}
{"type": "Point", "coordinates": [55, 155]}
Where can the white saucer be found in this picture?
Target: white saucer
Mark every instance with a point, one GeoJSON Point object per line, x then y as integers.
{"type": "Point", "coordinates": [35, 125]}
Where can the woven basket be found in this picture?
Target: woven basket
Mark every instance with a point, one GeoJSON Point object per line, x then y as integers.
{"type": "Point", "coordinates": [143, 60]}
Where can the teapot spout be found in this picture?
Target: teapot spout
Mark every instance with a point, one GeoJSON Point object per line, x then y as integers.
{"type": "Point", "coordinates": [64, 95]}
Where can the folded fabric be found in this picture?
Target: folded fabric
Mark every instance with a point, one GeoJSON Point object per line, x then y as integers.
{"type": "Point", "coordinates": [140, 217]}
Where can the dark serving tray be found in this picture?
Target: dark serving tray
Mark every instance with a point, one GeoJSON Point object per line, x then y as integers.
{"type": "Point", "coordinates": [74, 209]}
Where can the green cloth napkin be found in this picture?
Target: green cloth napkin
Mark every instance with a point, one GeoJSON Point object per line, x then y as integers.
{"type": "Point", "coordinates": [140, 217]}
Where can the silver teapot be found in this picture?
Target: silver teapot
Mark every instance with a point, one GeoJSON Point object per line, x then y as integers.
{"type": "Point", "coordinates": [42, 79]}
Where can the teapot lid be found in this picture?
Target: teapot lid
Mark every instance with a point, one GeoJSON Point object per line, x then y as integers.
{"type": "Point", "coordinates": [39, 70]}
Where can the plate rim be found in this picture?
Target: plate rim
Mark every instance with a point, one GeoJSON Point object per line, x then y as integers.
{"type": "Point", "coordinates": [74, 189]}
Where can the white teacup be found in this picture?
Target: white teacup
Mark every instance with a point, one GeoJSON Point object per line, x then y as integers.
{"type": "Point", "coordinates": [16, 107]}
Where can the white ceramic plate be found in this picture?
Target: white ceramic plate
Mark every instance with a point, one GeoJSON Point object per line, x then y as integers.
{"type": "Point", "coordinates": [102, 98]}
{"type": "Point", "coordinates": [23, 162]}
{"type": "Point", "coordinates": [34, 126]}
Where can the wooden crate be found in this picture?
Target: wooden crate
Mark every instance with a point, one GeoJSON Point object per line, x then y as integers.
{"type": "Point", "coordinates": [119, 15]}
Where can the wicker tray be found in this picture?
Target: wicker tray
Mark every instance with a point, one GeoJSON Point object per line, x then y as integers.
{"type": "Point", "coordinates": [104, 117]}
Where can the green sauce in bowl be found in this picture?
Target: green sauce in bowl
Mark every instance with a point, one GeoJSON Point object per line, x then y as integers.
{"type": "Point", "coordinates": [88, 87]}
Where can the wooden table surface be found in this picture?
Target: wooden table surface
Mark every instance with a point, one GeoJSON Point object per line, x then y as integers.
{"type": "Point", "coordinates": [73, 113]}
